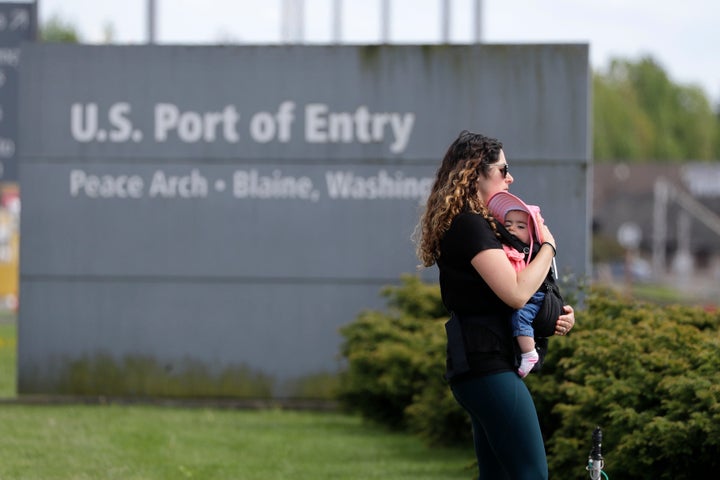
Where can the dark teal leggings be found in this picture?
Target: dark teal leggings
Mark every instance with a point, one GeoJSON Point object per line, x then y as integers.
{"type": "Point", "coordinates": [506, 431]}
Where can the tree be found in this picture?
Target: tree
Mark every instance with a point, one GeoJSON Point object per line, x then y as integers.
{"type": "Point", "coordinates": [640, 114]}
{"type": "Point", "coordinates": [57, 30]}
{"type": "Point", "coordinates": [622, 130]}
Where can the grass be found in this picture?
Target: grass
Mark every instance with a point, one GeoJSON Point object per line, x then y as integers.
{"type": "Point", "coordinates": [662, 294]}
{"type": "Point", "coordinates": [146, 442]}
{"type": "Point", "coordinates": [8, 360]}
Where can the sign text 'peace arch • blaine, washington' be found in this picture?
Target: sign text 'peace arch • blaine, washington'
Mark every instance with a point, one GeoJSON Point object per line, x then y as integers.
{"type": "Point", "coordinates": [202, 221]}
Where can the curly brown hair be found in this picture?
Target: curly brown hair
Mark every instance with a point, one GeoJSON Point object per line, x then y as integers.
{"type": "Point", "coordinates": [455, 190]}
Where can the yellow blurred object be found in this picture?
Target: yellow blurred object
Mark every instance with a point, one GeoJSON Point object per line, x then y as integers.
{"type": "Point", "coordinates": [9, 246]}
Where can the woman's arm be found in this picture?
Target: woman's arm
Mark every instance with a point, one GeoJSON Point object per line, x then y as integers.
{"type": "Point", "coordinates": [515, 288]}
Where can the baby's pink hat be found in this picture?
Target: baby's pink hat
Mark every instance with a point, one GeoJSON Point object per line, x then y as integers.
{"type": "Point", "coordinates": [503, 202]}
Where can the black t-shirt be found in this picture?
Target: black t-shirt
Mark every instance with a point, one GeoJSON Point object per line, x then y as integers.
{"type": "Point", "coordinates": [484, 317]}
{"type": "Point", "coordinates": [463, 289]}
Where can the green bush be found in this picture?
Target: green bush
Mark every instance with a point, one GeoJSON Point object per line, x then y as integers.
{"type": "Point", "coordinates": [396, 362]}
{"type": "Point", "coordinates": [647, 374]}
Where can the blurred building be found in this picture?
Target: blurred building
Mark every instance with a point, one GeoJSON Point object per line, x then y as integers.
{"type": "Point", "coordinates": [668, 215]}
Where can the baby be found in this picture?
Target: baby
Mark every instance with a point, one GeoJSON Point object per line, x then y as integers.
{"type": "Point", "coordinates": [524, 222]}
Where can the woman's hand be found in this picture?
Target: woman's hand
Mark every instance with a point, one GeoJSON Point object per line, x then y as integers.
{"type": "Point", "coordinates": [565, 322]}
{"type": "Point", "coordinates": [547, 236]}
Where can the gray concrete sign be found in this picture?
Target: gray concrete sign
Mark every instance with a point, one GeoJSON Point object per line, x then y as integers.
{"type": "Point", "coordinates": [202, 220]}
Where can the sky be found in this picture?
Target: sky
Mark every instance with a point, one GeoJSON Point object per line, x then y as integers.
{"type": "Point", "coordinates": [683, 37]}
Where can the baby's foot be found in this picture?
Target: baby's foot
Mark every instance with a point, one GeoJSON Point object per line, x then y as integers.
{"type": "Point", "coordinates": [527, 361]}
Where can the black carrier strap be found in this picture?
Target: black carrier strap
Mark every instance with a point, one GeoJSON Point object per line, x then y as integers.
{"type": "Point", "coordinates": [457, 363]}
{"type": "Point", "coordinates": [509, 239]}
{"type": "Point", "coordinates": [551, 309]}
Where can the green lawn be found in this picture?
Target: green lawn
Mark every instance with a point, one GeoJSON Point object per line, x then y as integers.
{"type": "Point", "coordinates": [143, 442]}
{"type": "Point", "coordinates": [8, 349]}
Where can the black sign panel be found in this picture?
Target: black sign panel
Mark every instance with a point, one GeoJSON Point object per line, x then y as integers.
{"type": "Point", "coordinates": [18, 24]}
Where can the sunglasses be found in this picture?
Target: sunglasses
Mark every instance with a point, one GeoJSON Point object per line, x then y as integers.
{"type": "Point", "coordinates": [503, 169]}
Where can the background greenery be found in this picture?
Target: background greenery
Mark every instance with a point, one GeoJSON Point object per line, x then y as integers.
{"type": "Point", "coordinates": [641, 115]}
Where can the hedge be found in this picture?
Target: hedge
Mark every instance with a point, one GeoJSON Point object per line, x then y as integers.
{"type": "Point", "coordinates": [647, 374]}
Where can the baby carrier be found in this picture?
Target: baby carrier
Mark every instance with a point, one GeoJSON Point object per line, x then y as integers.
{"type": "Point", "coordinates": [552, 306]}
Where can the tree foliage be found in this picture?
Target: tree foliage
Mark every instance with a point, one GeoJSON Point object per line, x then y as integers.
{"type": "Point", "coordinates": [57, 30]}
{"type": "Point", "coordinates": [650, 376]}
{"type": "Point", "coordinates": [640, 114]}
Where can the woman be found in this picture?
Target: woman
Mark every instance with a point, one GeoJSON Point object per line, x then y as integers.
{"type": "Point", "coordinates": [481, 289]}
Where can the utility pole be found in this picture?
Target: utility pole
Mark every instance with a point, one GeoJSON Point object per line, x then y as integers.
{"type": "Point", "coordinates": [445, 22]}
{"type": "Point", "coordinates": [337, 22]}
{"type": "Point", "coordinates": [293, 19]}
{"type": "Point", "coordinates": [151, 21]}
{"type": "Point", "coordinates": [478, 21]}
{"type": "Point", "coordinates": [385, 21]}
{"type": "Point", "coordinates": [661, 198]}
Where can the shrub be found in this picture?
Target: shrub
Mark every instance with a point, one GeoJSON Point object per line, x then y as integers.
{"type": "Point", "coordinates": [396, 362]}
{"type": "Point", "coordinates": [647, 374]}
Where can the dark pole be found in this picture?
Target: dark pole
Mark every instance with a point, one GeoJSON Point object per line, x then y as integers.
{"type": "Point", "coordinates": [478, 21]}
{"type": "Point", "coordinates": [35, 21]}
{"type": "Point", "coordinates": [151, 21]}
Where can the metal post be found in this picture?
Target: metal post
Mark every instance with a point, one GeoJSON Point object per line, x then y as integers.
{"type": "Point", "coordinates": [683, 260]}
{"type": "Point", "coordinates": [337, 21]}
{"type": "Point", "coordinates": [385, 21]}
{"type": "Point", "coordinates": [151, 21]}
{"type": "Point", "coordinates": [293, 19]}
{"type": "Point", "coordinates": [445, 21]}
{"type": "Point", "coordinates": [285, 22]}
{"type": "Point", "coordinates": [659, 240]}
{"type": "Point", "coordinates": [300, 21]}
{"type": "Point", "coordinates": [478, 21]}
{"type": "Point", "coordinates": [34, 21]}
